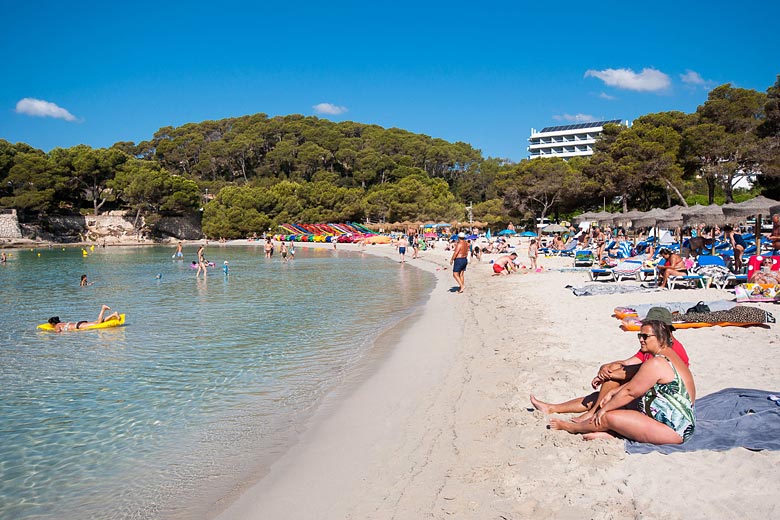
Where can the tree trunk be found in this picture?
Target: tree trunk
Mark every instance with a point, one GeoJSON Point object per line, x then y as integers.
{"type": "Point", "coordinates": [677, 192]}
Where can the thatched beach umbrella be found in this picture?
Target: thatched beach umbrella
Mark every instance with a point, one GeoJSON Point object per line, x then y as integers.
{"type": "Point", "coordinates": [626, 219]}
{"type": "Point", "coordinates": [752, 207]}
{"type": "Point", "coordinates": [588, 216]}
{"type": "Point", "coordinates": [603, 217]}
{"type": "Point", "coordinates": [649, 218]}
{"type": "Point", "coordinates": [672, 218]}
{"type": "Point", "coordinates": [711, 215]}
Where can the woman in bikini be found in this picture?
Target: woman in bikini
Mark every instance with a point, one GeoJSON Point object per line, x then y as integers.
{"type": "Point", "coordinates": [65, 326]}
{"type": "Point", "coordinates": [664, 393]}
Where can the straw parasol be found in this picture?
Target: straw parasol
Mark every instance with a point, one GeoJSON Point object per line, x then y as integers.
{"type": "Point", "coordinates": [711, 215]}
{"type": "Point", "coordinates": [649, 218]}
{"type": "Point", "coordinates": [585, 217]}
{"type": "Point", "coordinates": [603, 216]}
{"type": "Point", "coordinates": [627, 217]}
{"type": "Point", "coordinates": [672, 218]}
{"type": "Point", "coordinates": [757, 206]}
{"type": "Point", "coordinates": [554, 228]}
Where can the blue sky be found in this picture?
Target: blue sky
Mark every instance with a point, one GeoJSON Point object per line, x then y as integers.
{"type": "Point", "coordinates": [480, 72]}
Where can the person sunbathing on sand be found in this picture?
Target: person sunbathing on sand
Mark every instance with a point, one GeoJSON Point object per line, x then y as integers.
{"type": "Point", "coordinates": [612, 375]}
{"type": "Point", "coordinates": [65, 326]}
{"type": "Point", "coordinates": [663, 388]}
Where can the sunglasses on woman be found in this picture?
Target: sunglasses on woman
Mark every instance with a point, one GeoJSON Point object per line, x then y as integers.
{"type": "Point", "coordinates": [643, 337]}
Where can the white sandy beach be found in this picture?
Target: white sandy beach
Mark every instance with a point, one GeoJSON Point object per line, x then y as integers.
{"type": "Point", "coordinates": [444, 429]}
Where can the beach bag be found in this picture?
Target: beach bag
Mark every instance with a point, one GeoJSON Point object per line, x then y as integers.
{"type": "Point", "coordinates": [699, 307]}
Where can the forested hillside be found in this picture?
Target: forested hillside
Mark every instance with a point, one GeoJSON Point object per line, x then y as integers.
{"type": "Point", "coordinates": [249, 174]}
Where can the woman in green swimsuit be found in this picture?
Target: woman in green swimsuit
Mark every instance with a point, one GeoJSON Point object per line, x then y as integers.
{"type": "Point", "coordinates": [665, 392]}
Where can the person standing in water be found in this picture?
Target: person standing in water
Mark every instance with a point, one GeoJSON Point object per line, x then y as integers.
{"type": "Point", "coordinates": [201, 263]}
{"type": "Point", "coordinates": [178, 253]}
{"type": "Point", "coordinates": [283, 251]}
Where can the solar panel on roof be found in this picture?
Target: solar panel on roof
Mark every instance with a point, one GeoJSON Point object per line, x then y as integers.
{"type": "Point", "coordinates": [579, 125]}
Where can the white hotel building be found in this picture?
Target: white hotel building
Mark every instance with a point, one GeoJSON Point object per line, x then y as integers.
{"type": "Point", "coordinates": [567, 140]}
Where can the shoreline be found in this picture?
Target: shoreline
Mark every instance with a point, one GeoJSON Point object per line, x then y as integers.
{"type": "Point", "coordinates": [443, 426]}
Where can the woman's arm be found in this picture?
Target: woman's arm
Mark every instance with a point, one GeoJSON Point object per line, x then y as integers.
{"type": "Point", "coordinates": [649, 374]}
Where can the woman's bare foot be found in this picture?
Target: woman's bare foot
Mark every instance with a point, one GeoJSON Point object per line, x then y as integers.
{"type": "Point", "coordinates": [541, 406]}
{"type": "Point", "coordinates": [558, 424]}
{"type": "Point", "coordinates": [597, 435]}
{"type": "Point", "coordinates": [106, 308]}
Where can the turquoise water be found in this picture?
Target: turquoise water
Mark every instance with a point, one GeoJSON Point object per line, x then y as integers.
{"type": "Point", "coordinates": [207, 381]}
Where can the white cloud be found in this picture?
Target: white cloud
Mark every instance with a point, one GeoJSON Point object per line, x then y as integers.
{"type": "Point", "coordinates": [649, 80]}
{"type": "Point", "coordinates": [694, 79]}
{"type": "Point", "coordinates": [329, 108]}
{"type": "Point", "coordinates": [606, 96]}
{"type": "Point", "coordinates": [40, 108]}
{"type": "Point", "coordinates": [579, 118]}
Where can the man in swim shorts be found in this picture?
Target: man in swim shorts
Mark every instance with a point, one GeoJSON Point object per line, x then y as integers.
{"type": "Point", "coordinates": [65, 326]}
{"type": "Point", "coordinates": [460, 260]}
{"type": "Point", "coordinates": [504, 264]}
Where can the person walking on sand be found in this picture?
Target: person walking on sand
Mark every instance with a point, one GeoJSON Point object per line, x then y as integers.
{"type": "Point", "coordinates": [460, 260]}
{"type": "Point", "coordinates": [533, 252]}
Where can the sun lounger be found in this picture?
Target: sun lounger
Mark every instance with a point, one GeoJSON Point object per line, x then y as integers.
{"type": "Point", "coordinates": [583, 258]}
{"type": "Point", "coordinates": [686, 280]}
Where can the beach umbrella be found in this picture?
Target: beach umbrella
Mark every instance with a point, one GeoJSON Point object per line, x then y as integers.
{"type": "Point", "coordinates": [554, 228]}
{"type": "Point", "coordinates": [649, 218]}
{"type": "Point", "coordinates": [588, 216]}
{"type": "Point", "coordinates": [711, 215]}
{"type": "Point", "coordinates": [758, 206]}
{"type": "Point", "coordinates": [508, 232]}
{"type": "Point", "coordinates": [626, 219]}
{"type": "Point", "coordinates": [672, 218]}
{"type": "Point", "coordinates": [754, 207]}
{"type": "Point", "coordinates": [527, 234]}
{"type": "Point", "coordinates": [603, 217]}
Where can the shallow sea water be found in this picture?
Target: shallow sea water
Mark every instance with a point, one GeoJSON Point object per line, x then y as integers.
{"type": "Point", "coordinates": [207, 381]}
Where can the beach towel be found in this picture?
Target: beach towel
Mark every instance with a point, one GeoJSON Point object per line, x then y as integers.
{"type": "Point", "coordinates": [594, 289]}
{"type": "Point", "coordinates": [730, 418]}
{"type": "Point", "coordinates": [738, 314]}
{"type": "Point", "coordinates": [754, 292]}
{"type": "Point", "coordinates": [717, 273]}
{"type": "Point", "coordinates": [680, 307]}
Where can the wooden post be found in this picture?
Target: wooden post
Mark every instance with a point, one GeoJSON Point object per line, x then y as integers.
{"type": "Point", "coordinates": [758, 234]}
